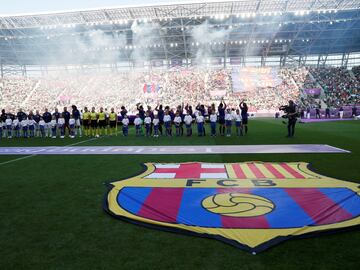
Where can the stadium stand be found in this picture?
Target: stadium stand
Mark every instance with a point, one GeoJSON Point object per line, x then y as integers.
{"type": "Point", "coordinates": [172, 87]}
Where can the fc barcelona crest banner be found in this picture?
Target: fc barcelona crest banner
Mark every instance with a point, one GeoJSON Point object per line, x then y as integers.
{"type": "Point", "coordinates": [251, 205]}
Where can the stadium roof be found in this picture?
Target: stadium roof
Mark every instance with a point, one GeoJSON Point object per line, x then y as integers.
{"type": "Point", "coordinates": [183, 9]}
{"type": "Point", "coordinates": [178, 10]}
{"type": "Point", "coordinates": [273, 27]}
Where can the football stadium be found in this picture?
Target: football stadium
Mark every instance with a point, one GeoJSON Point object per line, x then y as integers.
{"type": "Point", "coordinates": [180, 135]}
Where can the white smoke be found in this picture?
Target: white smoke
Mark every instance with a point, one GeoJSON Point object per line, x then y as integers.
{"type": "Point", "coordinates": [259, 33]}
{"type": "Point", "coordinates": [145, 35]}
{"type": "Point", "coordinates": [96, 45]}
{"type": "Point", "coordinates": [103, 46]}
{"type": "Point", "coordinates": [203, 35]}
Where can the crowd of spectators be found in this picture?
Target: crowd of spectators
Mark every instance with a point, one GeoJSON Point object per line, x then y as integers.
{"type": "Point", "coordinates": [14, 91]}
{"type": "Point", "coordinates": [356, 72]}
{"type": "Point", "coordinates": [176, 86]}
{"type": "Point", "coordinates": [339, 85]}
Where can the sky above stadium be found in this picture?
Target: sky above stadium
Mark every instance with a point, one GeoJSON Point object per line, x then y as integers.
{"type": "Point", "coordinates": [8, 7]}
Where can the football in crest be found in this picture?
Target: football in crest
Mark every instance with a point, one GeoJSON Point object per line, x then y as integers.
{"type": "Point", "coordinates": [238, 205]}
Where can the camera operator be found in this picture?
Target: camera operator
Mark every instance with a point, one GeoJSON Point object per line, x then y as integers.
{"type": "Point", "coordinates": [291, 114]}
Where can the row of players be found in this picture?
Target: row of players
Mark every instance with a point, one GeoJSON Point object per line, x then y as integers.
{"type": "Point", "coordinates": [155, 126]}
{"type": "Point", "coordinates": [96, 123]}
{"type": "Point", "coordinates": [29, 128]}
{"type": "Point", "coordinates": [100, 126]}
{"type": "Point", "coordinates": [37, 125]}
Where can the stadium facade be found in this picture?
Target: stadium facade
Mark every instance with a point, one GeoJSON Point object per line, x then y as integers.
{"type": "Point", "coordinates": [217, 34]}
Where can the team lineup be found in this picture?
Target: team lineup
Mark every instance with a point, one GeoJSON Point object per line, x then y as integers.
{"type": "Point", "coordinates": [158, 122]}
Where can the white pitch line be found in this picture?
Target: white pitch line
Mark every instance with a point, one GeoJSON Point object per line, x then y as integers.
{"type": "Point", "coordinates": [16, 159]}
{"type": "Point", "coordinates": [33, 155]}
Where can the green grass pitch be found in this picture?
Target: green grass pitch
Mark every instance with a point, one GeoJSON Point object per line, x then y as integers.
{"type": "Point", "coordinates": [51, 214]}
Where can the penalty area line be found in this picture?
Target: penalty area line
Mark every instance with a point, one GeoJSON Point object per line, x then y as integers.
{"type": "Point", "coordinates": [33, 155]}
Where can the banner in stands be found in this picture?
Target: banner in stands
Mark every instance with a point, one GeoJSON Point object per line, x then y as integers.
{"type": "Point", "coordinates": [251, 78]}
{"type": "Point", "coordinates": [151, 88]}
{"type": "Point", "coordinates": [313, 91]}
{"type": "Point", "coordinates": [251, 205]}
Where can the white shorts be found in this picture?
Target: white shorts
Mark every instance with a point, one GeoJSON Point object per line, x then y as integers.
{"type": "Point", "coordinates": [77, 123]}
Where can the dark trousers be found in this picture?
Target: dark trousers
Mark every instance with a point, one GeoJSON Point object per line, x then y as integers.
{"type": "Point", "coordinates": [188, 130]}
{"type": "Point", "coordinates": [148, 129]}
{"type": "Point", "coordinates": [213, 128]}
{"type": "Point", "coordinates": [160, 127]}
{"type": "Point", "coordinates": [201, 129]}
{"type": "Point", "coordinates": [291, 127]}
{"type": "Point", "coordinates": [67, 127]}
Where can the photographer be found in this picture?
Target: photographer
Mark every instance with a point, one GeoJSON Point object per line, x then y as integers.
{"type": "Point", "coordinates": [291, 114]}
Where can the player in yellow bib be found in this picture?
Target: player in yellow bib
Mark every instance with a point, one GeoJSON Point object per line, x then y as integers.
{"type": "Point", "coordinates": [113, 122]}
{"type": "Point", "coordinates": [86, 121]}
{"type": "Point", "coordinates": [94, 122]}
{"type": "Point", "coordinates": [102, 122]}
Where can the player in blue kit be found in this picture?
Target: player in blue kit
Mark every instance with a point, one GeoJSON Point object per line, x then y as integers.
{"type": "Point", "coordinates": [47, 118]}
{"type": "Point", "coordinates": [244, 115]}
{"type": "Point", "coordinates": [221, 111]}
{"type": "Point", "coordinates": [77, 116]}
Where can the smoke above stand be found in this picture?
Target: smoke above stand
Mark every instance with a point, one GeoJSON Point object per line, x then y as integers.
{"type": "Point", "coordinates": [141, 42]}
{"type": "Point", "coordinates": [92, 46]}
{"type": "Point", "coordinates": [203, 35]}
{"type": "Point", "coordinates": [106, 44]}
{"type": "Point", "coordinates": [144, 34]}
{"type": "Point", "coordinates": [208, 40]}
